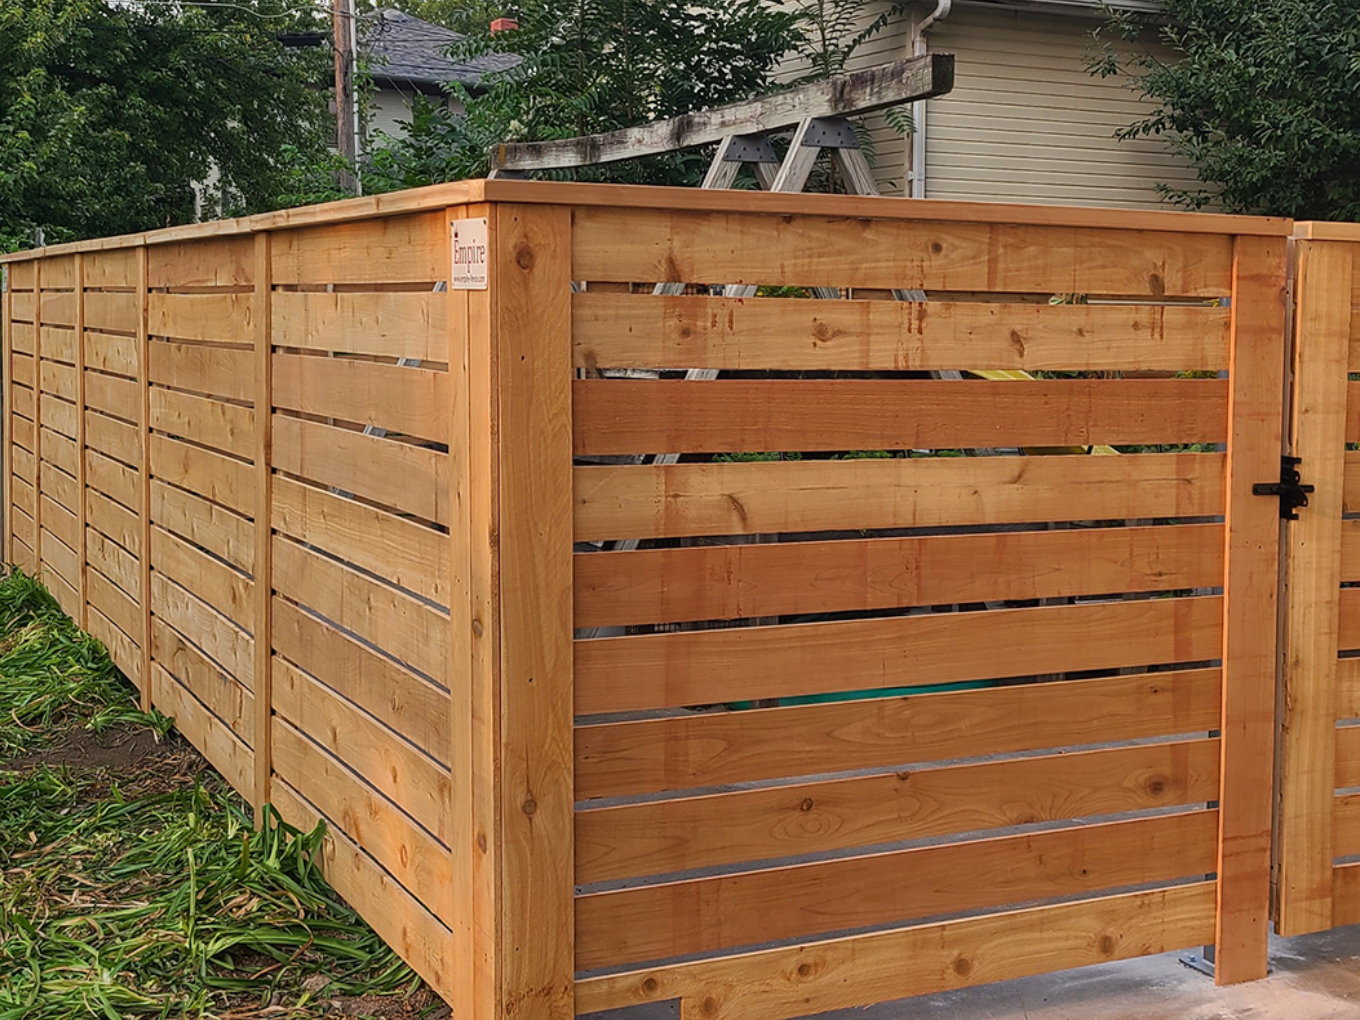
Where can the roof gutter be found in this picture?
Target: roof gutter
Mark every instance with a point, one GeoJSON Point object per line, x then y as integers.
{"type": "Point", "coordinates": [916, 173]}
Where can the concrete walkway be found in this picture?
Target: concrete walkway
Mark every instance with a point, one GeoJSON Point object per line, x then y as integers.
{"type": "Point", "coordinates": [1313, 977]}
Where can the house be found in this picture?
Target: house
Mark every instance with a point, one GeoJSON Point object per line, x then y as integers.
{"type": "Point", "coordinates": [1025, 122]}
{"type": "Point", "coordinates": [405, 56]}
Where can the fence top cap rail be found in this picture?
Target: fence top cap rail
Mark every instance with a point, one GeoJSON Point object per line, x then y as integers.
{"type": "Point", "coordinates": [1327, 230]}
{"type": "Point", "coordinates": [438, 196]}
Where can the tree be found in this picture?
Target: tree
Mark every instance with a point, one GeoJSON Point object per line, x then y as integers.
{"type": "Point", "coordinates": [595, 65]}
{"type": "Point", "coordinates": [1262, 100]}
{"type": "Point", "coordinates": [111, 113]}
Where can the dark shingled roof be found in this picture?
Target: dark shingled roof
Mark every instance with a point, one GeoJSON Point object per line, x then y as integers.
{"type": "Point", "coordinates": [406, 50]}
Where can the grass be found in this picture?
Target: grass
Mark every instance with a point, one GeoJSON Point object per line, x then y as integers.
{"type": "Point", "coordinates": [147, 891]}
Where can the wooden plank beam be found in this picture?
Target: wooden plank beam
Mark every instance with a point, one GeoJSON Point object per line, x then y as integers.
{"type": "Point", "coordinates": [874, 88]}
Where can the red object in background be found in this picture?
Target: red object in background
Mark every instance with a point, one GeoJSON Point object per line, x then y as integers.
{"type": "Point", "coordinates": [504, 25]}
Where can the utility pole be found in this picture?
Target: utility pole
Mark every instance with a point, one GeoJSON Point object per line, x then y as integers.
{"type": "Point", "coordinates": [344, 34]}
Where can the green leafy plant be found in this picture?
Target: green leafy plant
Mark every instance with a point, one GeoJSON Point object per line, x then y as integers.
{"type": "Point", "coordinates": [1261, 100]}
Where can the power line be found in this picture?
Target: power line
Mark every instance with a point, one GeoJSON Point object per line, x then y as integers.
{"type": "Point", "coordinates": [287, 12]}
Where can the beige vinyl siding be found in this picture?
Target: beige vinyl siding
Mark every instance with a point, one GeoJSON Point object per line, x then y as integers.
{"type": "Point", "coordinates": [1026, 122]}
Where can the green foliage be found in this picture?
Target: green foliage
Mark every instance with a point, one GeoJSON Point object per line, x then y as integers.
{"type": "Point", "coordinates": [596, 65]}
{"type": "Point", "coordinates": [1262, 102]}
{"type": "Point", "coordinates": [149, 893]}
{"type": "Point", "coordinates": [109, 113]}
{"type": "Point", "coordinates": [465, 16]}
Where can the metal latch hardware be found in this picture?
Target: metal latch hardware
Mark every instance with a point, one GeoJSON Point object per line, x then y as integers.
{"type": "Point", "coordinates": [1290, 488]}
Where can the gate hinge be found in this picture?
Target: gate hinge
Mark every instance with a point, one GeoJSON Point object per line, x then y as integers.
{"type": "Point", "coordinates": [1290, 488]}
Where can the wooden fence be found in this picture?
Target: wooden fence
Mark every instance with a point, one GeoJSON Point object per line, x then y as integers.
{"type": "Point", "coordinates": [571, 606]}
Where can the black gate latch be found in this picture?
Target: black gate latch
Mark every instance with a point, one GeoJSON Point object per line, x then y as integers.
{"type": "Point", "coordinates": [1293, 494]}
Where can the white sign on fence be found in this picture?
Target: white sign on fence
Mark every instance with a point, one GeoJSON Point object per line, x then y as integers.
{"type": "Point", "coordinates": [469, 254]}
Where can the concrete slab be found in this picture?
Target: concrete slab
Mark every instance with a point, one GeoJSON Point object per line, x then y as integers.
{"type": "Point", "coordinates": [1313, 977]}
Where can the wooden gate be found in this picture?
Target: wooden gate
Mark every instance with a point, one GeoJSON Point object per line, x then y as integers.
{"type": "Point", "coordinates": [823, 847]}
{"type": "Point", "coordinates": [1318, 816]}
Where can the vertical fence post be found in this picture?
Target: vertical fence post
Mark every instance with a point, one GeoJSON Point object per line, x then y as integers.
{"type": "Point", "coordinates": [1304, 838]}
{"type": "Point", "coordinates": [82, 559]}
{"type": "Point", "coordinates": [144, 387]}
{"type": "Point", "coordinates": [37, 419]}
{"type": "Point", "coordinates": [1251, 577]}
{"type": "Point", "coordinates": [511, 654]}
{"type": "Point", "coordinates": [7, 412]}
{"type": "Point", "coordinates": [261, 574]}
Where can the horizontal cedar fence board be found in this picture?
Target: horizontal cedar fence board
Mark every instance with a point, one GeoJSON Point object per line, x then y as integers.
{"type": "Point", "coordinates": [1350, 550]}
{"type": "Point", "coordinates": [795, 334]}
{"type": "Point", "coordinates": [621, 674]}
{"type": "Point", "coordinates": [111, 269]}
{"type": "Point", "coordinates": [409, 853]}
{"type": "Point", "coordinates": [402, 922]}
{"type": "Point", "coordinates": [221, 531]}
{"type": "Point", "coordinates": [217, 584]}
{"type": "Point", "coordinates": [55, 413]}
{"type": "Point", "coordinates": [727, 911]}
{"type": "Point", "coordinates": [112, 312]}
{"type": "Point", "coordinates": [202, 262]}
{"type": "Point", "coordinates": [400, 624]}
{"type": "Point", "coordinates": [23, 401]}
{"type": "Point", "coordinates": [410, 779]}
{"type": "Point", "coordinates": [113, 395]}
{"type": "Point", "coordinates": [20, 275]}
{"type": "Point", "coordinates": [859, 970]}
{"type": "Point", "coordinates": [218, 637]}
{"type": "Point", "coordinates": [734, 581]}
{"type": "Point", "coordinates": [24, 464]}
{"type": "Point", "coordinates": [227, 699]}
{"type": "Point", "coordinates": [224, 318]}
{"type": "Point", "coordinates": [117, 480]}
{"type": "Point", "coordinates": [113, 438]}
{"type": "Point", "coordinates": [695, 750]}
{"type": "Point", "coordinates": [405, 477]}
{"type": "Point", "coordinates": [60, 450]}
{"type": "Point", "coordinates": [676, 500]}
{"type": "Point", "coordinates": [223, 749]}
{"type": "Point", "coordinates": [114, 562]}
{"type": "Point", "coordinates": [204, 420]}
{"type": "Point", "coordinates": [57, 308]}
{"type": "Point", "coordinates": [394, 324]}
{"type": "Point", "coordinates": [221, 371]}
{"type": "Point", "coordinates": [802, 251]}
{"type": "Point", "coordinates": [171, 246]}
{"type": "Point", "coordinates": [400, 249]}
{"type": "Point", "coordinates": [22, 431]}
{"type": "Point", "coordinates": [24, 306]}
{"type": "Point", "coordinates": [22, 336]}
{"type": "Point", "coordinates": [58, 379]}
{"type": "Point", "coordinates": [1346, 820]}
{"type": "Point", "coordinates": [205, 472]}
{"type": "Point", "coordinates": [122, 650]}
{"type": "Point", "coordinates": [1346, 894]}
{"type": "Point", "coordinates": [408, 704]}
{"type": "Point", "coordinates": [1348, 636]}
{"type": "Point", "coordinates": [22, 369]}
{"type": "Point", "coordinates": [407, 553]}
{"type": "Point", "coordinates": [621, 416]}
{"type": "Point", "coordinates": [59, 272]}
{"type": "Point", "coordinates": [695, 832]}
{"type": "Point", "coordinates": [114, 520]}
{"type": "Point", "coordinates": [58, 344]}
{"type": "Point", "coordinates": [61, 522]}
{"type": "Point", "coordinates": [60, 486]}
{"type": "Point", "coordinates": [114, 603]}
{"type": "Point", "coordinates": [1348, 756]}
{"type": "Point", "coordinates": [109, 353]}
{"type": "Point", "coordinates": [25, 529]}
{"type": "Point", "coordinates": [411, 401]}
